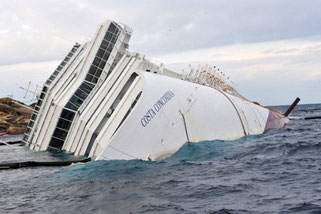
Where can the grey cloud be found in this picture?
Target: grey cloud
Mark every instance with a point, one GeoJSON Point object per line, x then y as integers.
{"type": "Point", "coordinates": [32, 31]}
{"type": "Point", "coordinates": [274, 79]}
{"type": "Point", "coordinates": [159, 26]}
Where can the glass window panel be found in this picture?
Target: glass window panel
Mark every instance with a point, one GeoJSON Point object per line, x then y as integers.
{"type": "Point", "coordinates": [106, 56]}
{"type": "Point", "coordinates": [108, 36]}
{"type": "Point", "coordinates": [28, 130]}
{"type": "Point", "coordinates": [33, 116]}
{"type": "Point", "coordinates": [39, 103]}
{"type": "Point", "coordinates": [57, 143]}
{"type": "Point", "coordinates": [116, 30]}
{"type": "Point", "coordinates": [101, 65]}
{"type": "Point", "coordinates": [42, 95]}
{"type": "Point", "coordinates": [112, 27]}
{"type": "Point", "coordinates": [100, 53]}
{"type": "Point", "coordinates": [71, 106]}
{"type": "Point", "coordinates": [76, 101]}
{"type": "Point", "coordinates": [25, 137]}
{"type": "Point", "coordinates": [90, 85]}
{"type": "Point", "coordinates": [59, 68]}
{"type": "Point", "coordinates": [56, 72]}
{"type": "Point", "coordinates": [85, 87]}
{"type": "Point", "coordinates": [95, 80]}
{"type": "Point", "coordinates": [64, 124]}
{"type": "Point", "coordinates": [96, 61]}
{"type": "Point", "coordinates": [92, 70]}
{"type": "Point", "coordinates": [89, 77]}
{"type": "Point", "coordinates": [48, 82]}
{"type": "Point", "coordinates": [82, 95]}
{"type": "Point", "coordinates": [110, 47]}
{"type": "Point", "coordinates": [98, 73]}
{"type": "Point", "coordinates": [61, 134]}
{"type": "Point", "coordinates": [84, 92]}
{"type": "Point", "coordinates": [69, 115]}
{"type": "Point", "coordinates": [114, 39]}
{"type": "Point", "coordinates": [104, 44]}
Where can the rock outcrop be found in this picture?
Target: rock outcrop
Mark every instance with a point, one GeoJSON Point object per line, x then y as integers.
{"type": "Point", "coordinates": [14, 116]}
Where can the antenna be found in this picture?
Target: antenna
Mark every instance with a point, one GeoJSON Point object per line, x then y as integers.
{"type": "Point", "coordinates": [29, 91]}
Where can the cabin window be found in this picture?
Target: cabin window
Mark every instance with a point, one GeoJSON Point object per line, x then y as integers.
{"type": "Point", "coordinates": [64, 124]}
{"type": "Point", "coordinates": [42, 95]}
{"type": "Point", "coordinates": [56, 143]}
{"type": "Point", "coordinates": [62, 64]}
{"type": "Point", "coordinates": [28, 130]}
{"type": "Point", "coordinates": [100, 53]}
{"type": "Point", "coordinates": [106, 55]}
{"type": "Point", "coordinates": [68, 115]}
{"type": "Point", "coordinates": [86, 87]}
{"type": "Point", "coordinates": [56, 73]}
{"type": "Point", "coordinates": [112, 28]}
{"type": "Point", "coordinates": [39, 103]}
{"type": "Point", "coordinates": [96, 62]}
{"type": "Point", "coordinates": [25, 138]}
{"type": "Point", "coordinates": [33, 116]}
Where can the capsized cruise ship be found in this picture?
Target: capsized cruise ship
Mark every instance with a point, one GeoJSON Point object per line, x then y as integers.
{"type": "Point", "coordinates": [105, 102]}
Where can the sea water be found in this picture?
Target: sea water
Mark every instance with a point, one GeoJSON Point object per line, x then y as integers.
{"type": "Point", "coordinates": [276, 172]}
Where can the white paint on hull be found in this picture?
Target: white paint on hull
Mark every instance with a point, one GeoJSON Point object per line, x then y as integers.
{"type": "Point", "coordinates": [209, 115]}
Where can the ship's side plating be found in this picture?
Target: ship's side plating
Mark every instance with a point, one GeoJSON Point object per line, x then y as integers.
{"type": "Point", "coordinates": [171, 112]}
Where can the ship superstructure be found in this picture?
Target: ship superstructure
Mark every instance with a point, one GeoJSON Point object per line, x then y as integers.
{"type": "Point", "coordinates": [108, 103]}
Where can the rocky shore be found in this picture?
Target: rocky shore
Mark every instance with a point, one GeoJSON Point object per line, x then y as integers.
{"type": "Point", "coordinates": [14, 116]}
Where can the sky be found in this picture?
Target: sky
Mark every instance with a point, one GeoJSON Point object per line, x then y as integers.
{"type": "Point", "coordinates": [270, 48]}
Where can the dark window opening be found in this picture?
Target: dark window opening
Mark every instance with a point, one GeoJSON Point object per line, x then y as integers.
{"type": "Point", "coordinates": [86, 87]}
{"type": "Point", "coordinates": [96, 61]}
{"type": "Point", "coordinates": [68, 115]}
{"type": "Point", "coordinates": [28, 130]}
{"type": "Point", "coordinates": [64, 124]}
{"type": "Point", "coordinates": [110, 47]}
{"type": "Point", "coordinates": [33, 116]}
{"type": "Point", "coordinates": [108, 36]}
{"type": "Point", "coordinates": [112, 28]}
{"type": "Point", "coordinates": [56, 143]}
{"type": "Point", "coordinates": [62, 64]}
{"type": "Point", "coordinates": [42, 95]}
{"type": "Point", "coordinates": [25, 138]}
{"type": "Point", "coordinates": [106, 55]}
{"type": "Point", "coordinates": [100, 53]}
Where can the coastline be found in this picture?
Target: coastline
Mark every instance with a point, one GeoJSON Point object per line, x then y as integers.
{"type": "Point", "coordinates": [14, 116]}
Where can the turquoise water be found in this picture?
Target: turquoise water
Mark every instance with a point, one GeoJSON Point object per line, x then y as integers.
{"type": "Point", "coordinates": [278, 171]}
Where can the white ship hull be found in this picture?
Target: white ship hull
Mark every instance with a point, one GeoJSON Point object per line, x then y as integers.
{"type": "Point", "coordinates": [191, 113]}
{"type": "Point", "coordinates": [107, 103]}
